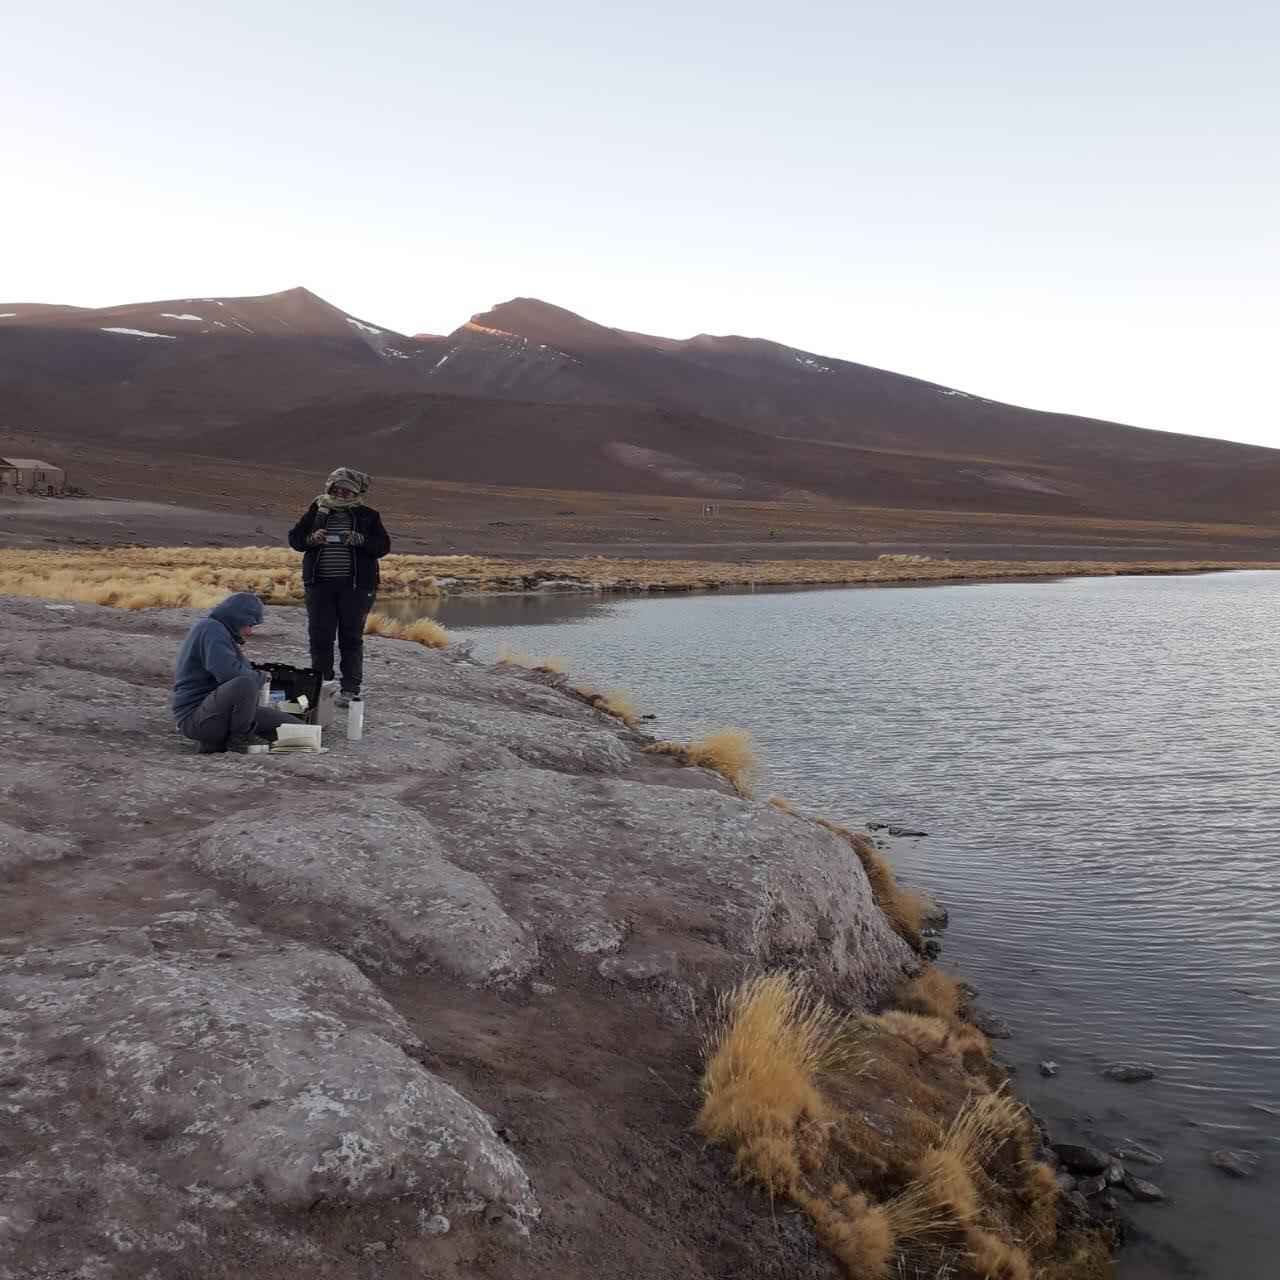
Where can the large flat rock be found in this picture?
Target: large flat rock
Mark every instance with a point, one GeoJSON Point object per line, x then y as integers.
{"type": "Point", "coordinates": [350, 1014]}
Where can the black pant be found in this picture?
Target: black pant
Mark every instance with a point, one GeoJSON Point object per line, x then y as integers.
{"type": "Point", "coordinates": [231, 713]}
{"type": "Point", "coordinates": [335, 607]}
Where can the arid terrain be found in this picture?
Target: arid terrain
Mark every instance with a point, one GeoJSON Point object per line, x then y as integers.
{"type": "Point", "coordinates": [531, 432]}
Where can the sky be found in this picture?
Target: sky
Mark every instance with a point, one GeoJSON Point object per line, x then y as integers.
{"type": "Point", "coordinates": [1070, 206]}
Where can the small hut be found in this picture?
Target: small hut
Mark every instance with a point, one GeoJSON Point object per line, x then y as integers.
{"type": "Point", "coordinates": [30, 475]}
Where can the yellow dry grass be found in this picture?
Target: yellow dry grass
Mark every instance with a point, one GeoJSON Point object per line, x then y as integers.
{"type": "Point", "coordinates": [760, 1078]}
{"type": "Point", "coordinates": [907, 909]}
{"type": "Point", "coordinates": [815, 1109]}
{"type": "Point", "coordinates": [619, 703]}
{"type": "Point", "coordinates": [423, 631]}
{"type": "Point", "coordinates": [169, 577]}
{"type": "Point", "coordinates": [548, 664]}
{"type": "Point", "coordinates": [932, 993]}
{"type": "Point", "coordinates": [726, 751]}
{"type": "Point", "coordinates": [192, 573]}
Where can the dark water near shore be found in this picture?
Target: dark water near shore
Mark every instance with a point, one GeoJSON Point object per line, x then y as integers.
{"type": "Point", "coordinates": [1096, 763]}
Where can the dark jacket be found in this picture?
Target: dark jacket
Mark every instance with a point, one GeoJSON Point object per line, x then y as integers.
{"type": "Point", "coordinates": [366, 522]}
{"type": "Point", "coordinates": [211, 654]}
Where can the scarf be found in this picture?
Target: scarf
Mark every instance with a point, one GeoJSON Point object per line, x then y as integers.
{"type": "Point", "coordinates": [349, 478]}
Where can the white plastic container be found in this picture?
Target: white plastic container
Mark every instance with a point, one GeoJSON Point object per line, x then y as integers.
{"type": "Point", "coordinates": [299, 735]}
{"type": "Point", "coordinates": [264, 694]}
{"type": "Point", "coordinates": [355, 720]}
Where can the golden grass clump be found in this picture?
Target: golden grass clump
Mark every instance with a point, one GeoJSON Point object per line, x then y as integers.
{"type": "Point", "coordinates": [726, 751]}
{"type": "Point", "coordinates": [428, 632]}
{"type": "Point", "coordinates": [854, 1231]}
{"type": "Point", "coordinates": [873, 1126]}
{"type": "Point", "coordinates": [619, 703]}
{"type": "Point", "coordinates": [549, 664]}
{"type": "Point", "coordinates": [378, 623]}
{"type": "Point", "coordinates": [906, 909]}
{"type": "Point", "coordinates": [779, 802]}
{"type": "Point", "coordinates": [988, 1257]}
{"type": "Point", "coordinates": [423, 631]}
{"type": "Point", "coordinates": [760, 1082]}
{"type": "Point", "coordinates": [931, 993]}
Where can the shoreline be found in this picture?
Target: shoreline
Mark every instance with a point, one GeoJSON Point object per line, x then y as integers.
{"type": "Point", "coordinates": [421, 933]}
{"type": "Point", "coordinates": [136, 577]}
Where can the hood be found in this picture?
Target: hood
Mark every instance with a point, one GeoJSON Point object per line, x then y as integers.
{"type": "Point", "coordinates": [243, 609]}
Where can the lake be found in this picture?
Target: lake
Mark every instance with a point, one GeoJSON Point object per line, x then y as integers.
{"type": "Point", "coordinates": [1095, 761]}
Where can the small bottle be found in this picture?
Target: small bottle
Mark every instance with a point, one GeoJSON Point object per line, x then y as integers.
{"type": "Point", "coordinates": [264, 694]}
{"type": "Point", "coordinates": [355, 720]}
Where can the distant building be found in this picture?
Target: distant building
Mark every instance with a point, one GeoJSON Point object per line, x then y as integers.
{"type": "Point", "coordinates": [29, 475]}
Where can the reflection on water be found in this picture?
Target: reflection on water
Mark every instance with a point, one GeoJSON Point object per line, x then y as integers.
{"type": "Point", "coordinates": [1095, 761]}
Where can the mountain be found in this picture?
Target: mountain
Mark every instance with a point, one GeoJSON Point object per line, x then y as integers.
{"type": "Point", "coordinates": [529, 350]}
{"type": "Point", "coordinates": [529, 394]}
{"type": "Point", "coordinates": [175, 368]}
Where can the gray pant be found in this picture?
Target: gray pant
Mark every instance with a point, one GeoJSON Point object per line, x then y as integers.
{"type": "Point", "coordinates": [231, 714]}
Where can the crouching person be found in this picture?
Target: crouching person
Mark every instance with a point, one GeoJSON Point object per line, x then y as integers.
{"type": "Point", "coordinates": [215, 690]}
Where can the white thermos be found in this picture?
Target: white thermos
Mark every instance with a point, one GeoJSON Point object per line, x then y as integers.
{"type": "Point", "coordinates": [264, 694]}
{"type": "Point", "coordinates": [355, 720]}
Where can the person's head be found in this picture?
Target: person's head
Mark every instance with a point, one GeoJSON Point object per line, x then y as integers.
{"type": "Point", "coordinates": [239, 613]}
{"type": "Point", "coordinates": [346, 485]}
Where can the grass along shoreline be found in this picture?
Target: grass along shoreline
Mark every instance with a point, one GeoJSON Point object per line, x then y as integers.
{"type": "Point", "coordinates": [170, 577]}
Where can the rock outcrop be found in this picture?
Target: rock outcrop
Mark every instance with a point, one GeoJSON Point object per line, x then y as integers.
{"type": "Point", "coordinates": [425, 1004]}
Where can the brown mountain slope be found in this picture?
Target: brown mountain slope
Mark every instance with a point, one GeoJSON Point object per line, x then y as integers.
{"type": "Point", "coordinates": [527, 349]}
{"type": "Point", "coordinates": [538, 396]}
{"type": "Point", "coordinates": [614, 449]}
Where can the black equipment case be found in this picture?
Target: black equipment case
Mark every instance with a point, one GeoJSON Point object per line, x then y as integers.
{"type": "Point", "coordinates": [292, 681]}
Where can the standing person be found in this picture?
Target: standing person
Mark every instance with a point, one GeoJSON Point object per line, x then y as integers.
{"type": "Point", "coordinates": [341, 541]}
{"type": "Point", "coordinates": [215, 690]}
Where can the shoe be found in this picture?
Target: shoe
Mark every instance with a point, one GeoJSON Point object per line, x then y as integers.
{"type": "Point", "coordinates": [343, 698]}
{"type": "Point", "coordinates": [249, 745]}
{"type": "Point", "coordinates": [211, 748]}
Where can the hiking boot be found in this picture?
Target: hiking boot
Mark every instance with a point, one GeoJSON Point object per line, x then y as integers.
{"type": "Point", "coordinates": [343, 697]}
{"type": "Point", "coordinates": [241, 745]}
{"type": "Point", "coordinates": [211, 748]}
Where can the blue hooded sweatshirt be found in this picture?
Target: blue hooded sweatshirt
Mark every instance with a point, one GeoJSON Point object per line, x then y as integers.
{"type": "Point", "coordinates": [211, 654]}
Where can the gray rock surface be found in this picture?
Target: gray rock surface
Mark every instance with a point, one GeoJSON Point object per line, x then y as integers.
{"type": "Point", "coordinates": [1133, 1151]}
{"type": "Point", "coordinates": [1129, 1072]}
{"type": "Point", "coordinates": [1141, 1190]}
{"type": "Point", "coordinates": [1082, 1159]}
{"type": "Point", "coordinates": [290, 1011]}
{"type": "Point", "coordinates": [1236, 1164]}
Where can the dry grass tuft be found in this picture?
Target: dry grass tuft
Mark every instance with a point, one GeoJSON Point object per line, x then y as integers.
{"type": "Point", "coordinates": [988, 1257]}
{"type": "Point", "coordinates": [853, 1230]}
{"type": "Point", "coordinates": [619, 703]}
{"type": "Point", "coordinates": [726, 751]}
{"type": "Point", "coordinates": [1037, 1203]}
{"type": "Point", "coordinates": [549, 665]}
{"type": "Point", "coordinates": [873, 1127]}
{"type": "Point", "coordinates": [381, 624]}
{"type": "Point", "coordinates": [779, 803]}
{"type": "Point", "coordinates": [760, 1080]}
{"type": "Point", "coordinates": [931, 994]}
{"type": "Point", "coordinates": [428, 632]}
{"type": "Point", "coordinates": [906, 909]}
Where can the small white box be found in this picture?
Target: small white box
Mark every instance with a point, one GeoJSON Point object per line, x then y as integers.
{"type": "Point", "coordinates": [299, 735]}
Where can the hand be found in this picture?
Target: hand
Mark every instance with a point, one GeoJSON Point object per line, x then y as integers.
{"type": "Point", "coordinates": [317, 537]}
{"type": "Point", "coordinates": [355, 539]}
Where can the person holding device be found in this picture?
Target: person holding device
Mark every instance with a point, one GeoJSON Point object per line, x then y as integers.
{"type": "Point", "coordinates": [341, 540]}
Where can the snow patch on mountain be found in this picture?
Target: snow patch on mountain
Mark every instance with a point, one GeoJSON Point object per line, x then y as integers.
{"type": "Point", "coordinates": [139, 333]}
{"type": "Point", "coordinates": [176, 315]}
{"type": "Point", "coordinates": [365, 328]}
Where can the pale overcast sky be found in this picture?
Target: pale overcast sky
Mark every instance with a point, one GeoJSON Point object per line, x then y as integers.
{"type": "Point", "coordinates": [1072, 206]}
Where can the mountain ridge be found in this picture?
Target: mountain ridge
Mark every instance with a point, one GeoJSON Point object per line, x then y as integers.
{"type": "Point", "coordinates": [536, 394]}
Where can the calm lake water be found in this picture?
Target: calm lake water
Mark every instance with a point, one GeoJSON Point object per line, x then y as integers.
{"type": "Point", "coordinates": [1095, 762]}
